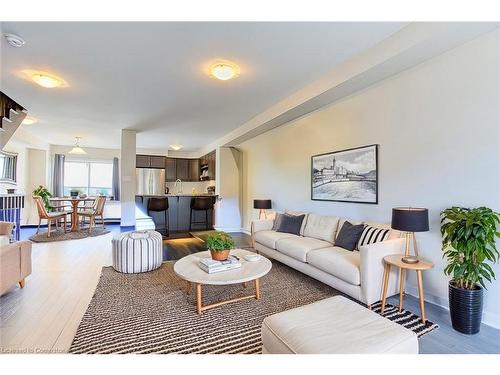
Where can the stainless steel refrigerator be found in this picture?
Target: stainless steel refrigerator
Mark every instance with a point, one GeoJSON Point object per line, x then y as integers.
{"type": "Point", "coordinates": [150, 181]}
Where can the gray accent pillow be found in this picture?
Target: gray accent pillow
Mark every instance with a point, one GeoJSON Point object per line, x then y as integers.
{"type": "Point", "coordinates": [291, 224]}
{"type": "Point", "coordinates": [277, 221]}
{"type": "Point", "coordinates": [349, 236]}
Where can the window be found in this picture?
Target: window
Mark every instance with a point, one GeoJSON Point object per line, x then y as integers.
{"type": "Point", "coordinates": [88, 177]}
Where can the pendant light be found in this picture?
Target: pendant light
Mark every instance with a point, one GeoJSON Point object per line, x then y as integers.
{"type": "Point", "coordinates": [77, 150]}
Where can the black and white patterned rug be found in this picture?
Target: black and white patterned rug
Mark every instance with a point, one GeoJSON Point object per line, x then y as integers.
{"type": "Point", "coordinates": [406, 318]}
{"type": "Point", "coordinates": [151, 313]}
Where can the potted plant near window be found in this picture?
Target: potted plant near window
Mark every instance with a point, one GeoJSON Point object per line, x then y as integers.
{"type": "Point", "coordinates": [44, 193]}
{"type": "Point", "coordinates": [469, 236]}
{"type": "Point", "coordinates": [219, 244]}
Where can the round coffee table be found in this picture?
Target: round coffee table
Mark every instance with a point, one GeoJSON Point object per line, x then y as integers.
{"type": "Point", "coordinates": [188, 269]}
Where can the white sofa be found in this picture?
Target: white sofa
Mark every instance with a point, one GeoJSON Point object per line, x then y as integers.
{"type": "Point", "coordinates": [357, 273]}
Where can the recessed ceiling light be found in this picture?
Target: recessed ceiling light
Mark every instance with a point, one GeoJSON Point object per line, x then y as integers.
{"type": "Point", "coordinates": [176, 147]}
{"type": "Point", "coordinates": [28, 120]}
{"type": "Point", "coordinates": [224, 70]}
{"type": "Point", "coordinates": [47, 80]}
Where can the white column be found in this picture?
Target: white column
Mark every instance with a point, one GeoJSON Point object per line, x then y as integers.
{"type": "Point", "coordinates": [37, 166]}
{"type": "Point", "coordinates": [229, 189]}
{"type": "Point", "coordinates": [127, 178]}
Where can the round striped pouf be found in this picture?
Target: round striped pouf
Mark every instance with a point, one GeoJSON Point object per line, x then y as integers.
{"type": "Point", "coordinates": [135, 252]}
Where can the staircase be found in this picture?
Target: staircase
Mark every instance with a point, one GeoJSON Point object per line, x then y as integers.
{"type": "Point", "coordinates": [12, 114]}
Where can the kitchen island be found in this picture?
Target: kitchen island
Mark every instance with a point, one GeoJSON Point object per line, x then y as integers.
{"type": "Point", "coordinates": [179, 209]}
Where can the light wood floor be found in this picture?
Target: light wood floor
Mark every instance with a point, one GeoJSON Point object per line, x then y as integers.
{"type": "Point", "coordinates": [44, 316]}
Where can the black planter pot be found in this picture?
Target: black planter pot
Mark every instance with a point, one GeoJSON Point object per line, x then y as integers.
{"type": "Point", "coordinates": [466, 308]}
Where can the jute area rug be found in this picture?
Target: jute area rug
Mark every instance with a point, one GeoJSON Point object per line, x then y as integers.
{"type": "Point", "coordinates": [151, 313]}
{"type": "Point", "coordinates": [59, 235]}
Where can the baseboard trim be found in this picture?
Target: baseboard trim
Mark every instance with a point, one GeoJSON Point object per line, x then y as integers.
{"type": "Point", "coordinates": [489, 318]}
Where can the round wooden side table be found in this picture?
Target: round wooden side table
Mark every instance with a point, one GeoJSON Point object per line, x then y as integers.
{"type": "Point", "coordinates": [395, 260]}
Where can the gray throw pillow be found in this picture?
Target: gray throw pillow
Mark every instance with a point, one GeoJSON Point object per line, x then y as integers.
{"type": "Point", "coordinates": [349, 236]}
{"type": "Point", "coordinates": [277, 221]}
{"type": "Point", "coordinates": [291, 224]}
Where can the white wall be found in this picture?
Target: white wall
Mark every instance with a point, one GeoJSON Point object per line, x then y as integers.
{"type": "Point", "coordinates": [228, 187]}
{"type": "Point", "coordinates": [31, 172]}
{"type": "Point", "coordinates": [37, 170]}
{"type": "Point", "coordinates": [438, 127]}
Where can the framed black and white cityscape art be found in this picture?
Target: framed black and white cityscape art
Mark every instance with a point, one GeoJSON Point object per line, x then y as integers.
{"type": "Point", "coordinates": [346, 176]}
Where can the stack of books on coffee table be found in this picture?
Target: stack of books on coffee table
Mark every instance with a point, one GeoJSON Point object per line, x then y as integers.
{"type": "Point", "coordinates": [213, 266]}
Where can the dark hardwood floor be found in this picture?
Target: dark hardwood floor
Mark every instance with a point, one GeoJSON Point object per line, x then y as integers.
{"type": "Point", "coordinates": [176, 248]}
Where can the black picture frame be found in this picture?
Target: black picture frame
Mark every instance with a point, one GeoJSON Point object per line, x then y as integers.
{"type": "Point", "coordinates": [365, 179]}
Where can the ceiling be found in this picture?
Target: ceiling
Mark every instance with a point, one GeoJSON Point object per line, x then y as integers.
{"type": "Point", "coordinates": [152, 77]}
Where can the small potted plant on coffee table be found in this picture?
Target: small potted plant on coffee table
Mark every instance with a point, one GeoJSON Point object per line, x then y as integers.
{"type": "Point", "coordinates": [469, 236]}
{"type": "Point", "coordinates": [219, 244]}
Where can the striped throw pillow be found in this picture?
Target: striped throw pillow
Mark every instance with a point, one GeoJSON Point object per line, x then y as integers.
{"type": "Point", "coordinates": [372, 234]}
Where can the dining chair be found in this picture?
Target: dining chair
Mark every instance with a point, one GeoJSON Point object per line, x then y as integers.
{"type": "Point", "coordinates": [94, 212]}
{"type": "Point", "coordinates": [43, 214]}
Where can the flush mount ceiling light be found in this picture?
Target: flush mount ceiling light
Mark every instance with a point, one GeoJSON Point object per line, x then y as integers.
{"type": "Point", "coordinates": [77, 150]}
{"type": "Point", "coordinates": [28, 120]}
{"type": "Point", "coordinates": [44, 79]}
{"type": "Point", "coordinates": [14, 40]}
{"type": "Point", "coordinates": [176, 147]}
{"type": "Point", "coordinates": [224, 70]}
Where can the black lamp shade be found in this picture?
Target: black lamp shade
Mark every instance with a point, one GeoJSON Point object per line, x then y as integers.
{"type": "Point", "coordinates": [409, 219]}
{"type": "Point", "coordinates": [262, 204]}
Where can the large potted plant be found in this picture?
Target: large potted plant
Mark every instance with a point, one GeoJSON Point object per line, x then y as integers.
{"type": "Point", "coordinates": [44, 193]}
{"type": "Point", "coordinates": [219, 244]}
{"type": "Point", "coordinates": [469, 236]}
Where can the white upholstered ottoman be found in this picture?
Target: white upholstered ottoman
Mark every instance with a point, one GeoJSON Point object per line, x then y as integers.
{"type": "Point", "coordinates": [135, 252]}
{"type": "Point", "coordinates": [334, 325]}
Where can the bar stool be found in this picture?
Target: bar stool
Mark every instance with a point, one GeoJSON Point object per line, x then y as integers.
{"type": "Point", "coordinates": [200, 204]}
{"type": "Point", "coordinates": [160, 205]}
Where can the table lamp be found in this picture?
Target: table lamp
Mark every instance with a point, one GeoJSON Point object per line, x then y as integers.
{"type": "Point", "coordinates": [262, 205]}
{"type": "Point", "coordinates": [410, 220]}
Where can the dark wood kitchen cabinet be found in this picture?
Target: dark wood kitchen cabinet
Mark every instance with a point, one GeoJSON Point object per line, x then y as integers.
{"type": "Point", "coordinates": [142, 161]}
{"type": "Point", "coordinates": [207, 166]}
{"type": "Point", "coordinates": [194, 170]}
{"type": "Point", "coordinates": [182, 169]}
{"type": "Point", "coordinates": [211, 166]}
{"type": "Point", "coordinates": [157, 162]}
{"type": "Point", "coordinates": [150, 161]}
{"type": "Point", "coordinates": [171, 169]}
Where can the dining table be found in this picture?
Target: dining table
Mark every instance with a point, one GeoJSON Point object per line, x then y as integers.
{"type": "Point", "coordinates": [75, 201]}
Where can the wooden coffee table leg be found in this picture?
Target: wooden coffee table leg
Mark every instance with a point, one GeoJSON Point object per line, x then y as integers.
{"type": "Point", "coordinates": [257, 289]}
{"type": "Point", "coordinates": [188, 289]}
{"type": "Point", "coordinates": [198, 298]}
{"type": "Point", "coordinates": [386, 283]}
{"type": "Point", "coordinates": [244, 285]}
